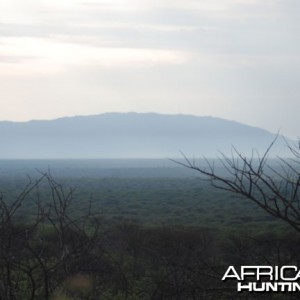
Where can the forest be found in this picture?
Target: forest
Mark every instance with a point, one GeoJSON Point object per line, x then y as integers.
{"type": "Point", "coordinates": [89, 236]}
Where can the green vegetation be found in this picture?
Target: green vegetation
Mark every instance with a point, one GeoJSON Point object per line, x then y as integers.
{"type": "Point", "coordinates": [131, 238]}
{"type": "Point", "coordinates": [155, 202]}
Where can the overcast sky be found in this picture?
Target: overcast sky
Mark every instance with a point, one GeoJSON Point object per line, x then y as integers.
{"type": "Point", "coordinates": [235, 59]}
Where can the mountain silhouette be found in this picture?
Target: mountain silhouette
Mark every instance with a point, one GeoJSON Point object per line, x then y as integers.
{"type": "Point", "coordinates": [131, 135]}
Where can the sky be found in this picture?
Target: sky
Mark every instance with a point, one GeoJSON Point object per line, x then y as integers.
{"type": "Point", "coordinates": [234, 59]}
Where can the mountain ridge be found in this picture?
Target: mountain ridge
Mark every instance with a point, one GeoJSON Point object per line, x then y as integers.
{"type": "Point", "coordinates": [128, 135]}
{"type": "Point", "coordinates": [128, 113]}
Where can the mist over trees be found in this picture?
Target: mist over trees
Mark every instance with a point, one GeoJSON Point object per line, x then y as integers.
{"type": "Point", "coordinates": [54, 244]}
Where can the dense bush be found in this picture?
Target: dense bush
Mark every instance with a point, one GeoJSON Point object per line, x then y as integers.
{"type": "Point", "coordinates": [60, 252]}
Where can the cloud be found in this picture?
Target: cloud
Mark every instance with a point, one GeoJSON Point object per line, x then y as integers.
{"type": "Point", "coordinates": [55, 55]}
{"type": "Point", "coordinates": [195, 56]}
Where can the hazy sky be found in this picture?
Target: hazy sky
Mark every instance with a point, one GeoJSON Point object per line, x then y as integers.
{"type": "Point", "coordinates": [235, 59]}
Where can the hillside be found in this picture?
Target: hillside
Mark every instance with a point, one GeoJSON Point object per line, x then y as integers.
{"type": "Point", "coordinates": [130, 135]}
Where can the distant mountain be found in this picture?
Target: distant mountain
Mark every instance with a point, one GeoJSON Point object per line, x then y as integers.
{"type": "Point", "coordinates": [130, 135]}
